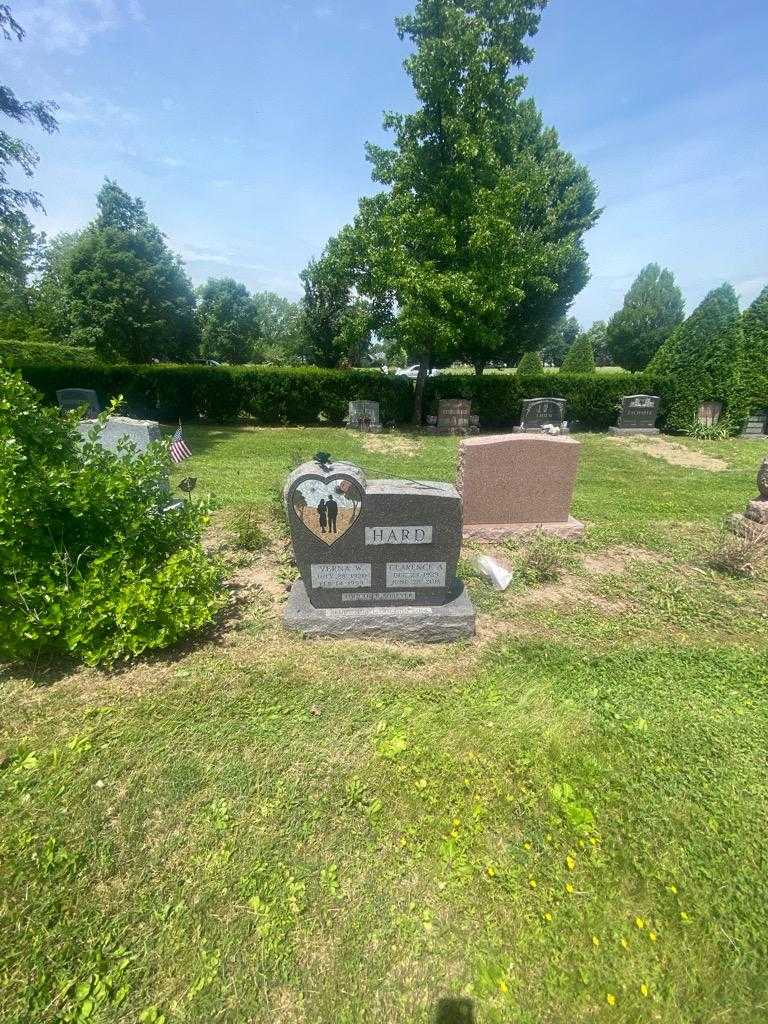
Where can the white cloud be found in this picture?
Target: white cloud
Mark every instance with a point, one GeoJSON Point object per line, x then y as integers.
{"type": "Point", "coordinates": [70, 25]}
{"type": "Point", "coordinates": [74, 109]}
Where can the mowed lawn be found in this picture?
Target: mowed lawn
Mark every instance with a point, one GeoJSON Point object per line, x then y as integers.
{"type": "Point", "coordinates": [564, 820]}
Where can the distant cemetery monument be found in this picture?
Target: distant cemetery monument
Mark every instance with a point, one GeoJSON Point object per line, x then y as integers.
{"type": "Point", "coordinates": [637, 415]}
{"type": "Point", "coordinates": [364, 415]}
{"type": "Point", "coordinates": [376, 557]}
{"type": "Point", "coordinates": [454, 416]}
{"type": "Point", "coordinates": [70, 399]}
{"type": "Point", "coordinates": [709, 413]}
{"type": "Point", "coordinates": [540, 414]}
{"type": "Point", "coordinates": [756, 427]}
{"type": "Point", "coordinates": [141, 432]}
{"type": "Point", "coordinates": [513, 484]}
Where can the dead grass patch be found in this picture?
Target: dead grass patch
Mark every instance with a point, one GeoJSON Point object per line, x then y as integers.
{"type": "Point", "coordinates": [392, 444]}
{"type": "Point", "coordinates": [672, 453]}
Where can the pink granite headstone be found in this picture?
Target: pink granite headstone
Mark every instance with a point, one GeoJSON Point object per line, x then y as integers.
{"type": "Point", "coordinates": [513, 484]}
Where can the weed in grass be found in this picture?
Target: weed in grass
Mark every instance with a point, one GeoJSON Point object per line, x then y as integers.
{"type": "Point", "coordinates": [744, 557]}
{"type": "Point", "coordinates": [544, 559]}
{"type": "Point", "coordinates": [245, 522]}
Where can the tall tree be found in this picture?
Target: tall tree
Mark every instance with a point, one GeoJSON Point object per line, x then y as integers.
{"type": "Point", "coordinates": [337, 323]}
{"type": "Point", "coordinates": [228, 319]}
{"type": "Point", "coordinates": [129, 295]}
{"type": "Point", "coordinates": [598, 336]}
{"type": "Point", "coordinates": [559, 339]}
{"type": "Point", "coordinates": [13, 151]}
{"type": "Point", "coordinates": [21, 254]}
{"type": "Point", "coordinates": [653, 308]}
{"type": "Point", "coordinates": [49, 298]}
{"type": "Point", "coordinates": [477, 240]}
{"type": "Point", "coordinates": [703, 359]}
{"type": "Point", "coordinates": [279, 328]}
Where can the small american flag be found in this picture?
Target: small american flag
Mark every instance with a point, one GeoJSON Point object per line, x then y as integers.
{"type": "Point", "coordinates": [179, 449]}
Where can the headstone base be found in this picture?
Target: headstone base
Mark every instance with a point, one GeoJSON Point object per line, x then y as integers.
{"type": "Point", "coordinates": [440, 624]}
{"type": "Point", "coordinates": [748, 528]}
{"type": "Point", "coordinates": [452, 431]}
{"type": "Point", "coordinates": [538, 430]}
{"type": "Point", "coordinates": [572, 529]}
{"type": "Point", "coordinates": [628, 431]}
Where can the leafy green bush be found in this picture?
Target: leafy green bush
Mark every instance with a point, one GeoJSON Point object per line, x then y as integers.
{"type": "Point", "coordinates": [94, 559]}
{"type": "Point", "coordinates": [703, 361]}
{"type": "Point", "coordinates": [496, 398]}
{"type": "Point", "coordinates": [755, 375]}
{"type": "Point", "coordinates": [530, 363]}
{"type": "Point", "coordinates": [34, 352]}
{"type": "Point", "coordinates": [268, 395]}
{"type": "Point", "coordinates": [580, 357]}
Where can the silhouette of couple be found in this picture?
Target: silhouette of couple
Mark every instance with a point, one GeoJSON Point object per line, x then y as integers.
{"type": "Point", "coordinates": [327, 511]}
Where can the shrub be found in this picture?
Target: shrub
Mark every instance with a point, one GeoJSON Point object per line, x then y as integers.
{"type": "Point", "coordinates": [755, 328]}
{"type": "Point", "coordinates": [94, 561]}
{"type": "Point", "coordinates": [703, 361]}
{"type": "Point", "coordinates": [544, 559]}
{"type": "Point", "coordinates": [530, 363]}
{"type": "Point", "coordinates": [268, 395]}
{"type": "Point", "coordinates": [580, 358]}
{"type": "Point", "coordinates": [53, 353]}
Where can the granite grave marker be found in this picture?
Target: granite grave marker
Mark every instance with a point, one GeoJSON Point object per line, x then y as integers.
{"type": "Point", "coordinates": [513, 484]}
{"type": "Point", "coordinates": [756, 427]}
{"type": "Point", "coordinates": [141, 432]}
{"type": "Point", "coordinates": [75, 398]}
{"type": "Point", "coordinates": [376, 557]}
{"type": "Point", "coordinates": [637, 415]}
{"type": "Point", "coordinates": [709, 413]}
{"type": "Point", "coordinates": [538, 413]}
{"type": "Point", "coordinates": [364, 415]}
{"type": "Point", "coordinates": [454, 416]}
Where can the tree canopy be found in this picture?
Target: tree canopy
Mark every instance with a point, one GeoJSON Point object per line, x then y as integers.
{"type": "Point", "coordinates": [653, 308]}
{"type": "Point", "coordinates": [475, 244]}
{"type": "Point", "coordinates": [559, 339]}
{"type": "Point", "coordinates": [580, 357]}
{"type": "Point", "coordinates": [755, 329]}
{"type": "Point", "coordinates": [530, 364]}
{"type": "Point", "coordinates": [228, 319]}
{"type": "Point", "coordinates": [129, 296]}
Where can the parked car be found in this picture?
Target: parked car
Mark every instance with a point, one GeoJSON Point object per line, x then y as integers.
{"type": "Point", "coordinates": [412, 372]}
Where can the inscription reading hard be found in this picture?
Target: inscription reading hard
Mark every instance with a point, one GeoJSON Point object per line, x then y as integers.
{"type": "Point", "coordinates": [398, 535]}
{"type": "Point", "coordinates": [341, 575]}
{"type": "Point", "coordinates": [416, 574]}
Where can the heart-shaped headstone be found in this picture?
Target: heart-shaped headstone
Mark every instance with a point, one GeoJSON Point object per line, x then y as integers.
{"type": "Point", "coordinates": [370, 544]}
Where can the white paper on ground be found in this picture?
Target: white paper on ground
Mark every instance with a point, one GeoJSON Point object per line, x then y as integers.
{"type": "Point", "coordinates": [499, 576]}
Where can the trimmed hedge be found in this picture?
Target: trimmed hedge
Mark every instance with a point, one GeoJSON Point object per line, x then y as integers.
{"type": "Point", "coordinates": [34, 353]}
{"type": "Point", "coordinates": [269, 395]}
{"type": "Point", "coordinates": [593, 399]}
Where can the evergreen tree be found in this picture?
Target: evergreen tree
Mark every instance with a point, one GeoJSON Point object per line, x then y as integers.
{"type": "Point", "coordinates": [228, 319]}
{"type": "Point", "coordinates": [755, 328]}
{"type": "Point", "coordinates": [580, 358]}
{"type": "Point", "coordinates": [653, 308]}
{"type": "Point", "coordinates": [129, 295]}
{"type": "Point", "coordinates": [703, 360]}
{"type": "Point", "coordinates": [530, 364]}
{"type": "Point", "coordinates": [598, 335]}
{"type": "Point", "coordinates": [49, 298]}
{"type": "Point", "coordinates": [21, 250]}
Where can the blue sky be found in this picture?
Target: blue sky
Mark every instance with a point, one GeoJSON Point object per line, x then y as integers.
{"type": "Point", "coordinates": [244, 130]}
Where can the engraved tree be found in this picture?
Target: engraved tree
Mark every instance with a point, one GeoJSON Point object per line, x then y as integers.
{"type": "Point", "coordinates": [300, 504]}
{"type": "Point", "coordinates": [346, 490]}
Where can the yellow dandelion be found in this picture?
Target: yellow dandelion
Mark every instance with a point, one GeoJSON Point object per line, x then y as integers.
{"type": "Point", "coordinates": [624, 943]}
{"type": "Point", "coordinates": [672, 889]}
{"type": "Point", "coordinates": [526, 846]}
{"type": "Point", "coordinates": [491, 870]}
{"type": "Point", "coordinates": [610, 999]}
{"type": "Point", "coordinates": [593, 841]}
{"type": "Point", "coordinates": [570, 862]}
{"type": "Point", "coordinates": [503, 987]}
{"type": "Point", "coordinates": [457, 822]}
{"type": "Point", "coordinates": [644, 991]}
{"type": "Point", "coordinates": [639, 922]}
{"type": "Point", "coordinates": [652, 936]}
{"type": "Point", "coordinates": [595, 941]}
{"type": "Point", "coordinates": [568, 887]}
{"type": "Point", "coordinates": [533, 883]}
{"type": "Point", "coordinates": [547, 916]}
{"type": "Point", "coordinates": [454, 834]}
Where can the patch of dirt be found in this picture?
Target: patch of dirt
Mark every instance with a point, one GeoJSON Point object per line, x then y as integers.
{"type": "Point", "coordinates": [392, 444]}
{"type": "Point", "coordinates": [613, 561]}
{"type": "Point", "coordinates": [674, 454]}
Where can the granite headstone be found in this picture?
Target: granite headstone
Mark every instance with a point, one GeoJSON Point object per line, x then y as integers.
{"type": "Point", "coordinates": [76, 398]}
{"type": "Point", "coordinates": [454, 416]}
{"type": "Point", "coordinates": [538, 413]}
{"type": "Point", "coordinates": [364, 415]}
{"type": "Point", "coordinates": [756, 427]}
{"type": "Point", "coordinates": [638, 414]}
{"type": "Point", "coordinates": [376, 557]}
{"type": "Point", "coordinates": [140, 432]}
{"type": "Point", "coordinates": [513, 484]}
{"type": "Point", "coordinates": [709, 413]}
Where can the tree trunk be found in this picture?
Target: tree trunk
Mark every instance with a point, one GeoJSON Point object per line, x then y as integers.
{"type": "Point", "coordinates": [418, 395]}
{"type": "Point", "coordinates": [479, 367]}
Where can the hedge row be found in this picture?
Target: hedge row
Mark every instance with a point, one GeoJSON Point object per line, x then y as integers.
{"type": "Point", "coordinates": [34, 353]}
{"type": "Point", "coordinates": [593, 399]}
{"type": "Point", "coordinates": [225, 394]}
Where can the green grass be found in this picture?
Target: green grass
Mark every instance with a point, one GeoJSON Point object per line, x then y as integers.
{"type": "Point", "coordinates": [564, 820]}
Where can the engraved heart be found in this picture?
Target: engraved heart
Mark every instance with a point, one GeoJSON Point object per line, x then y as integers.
{"type": "Point", "coordinates": [327, 506]}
